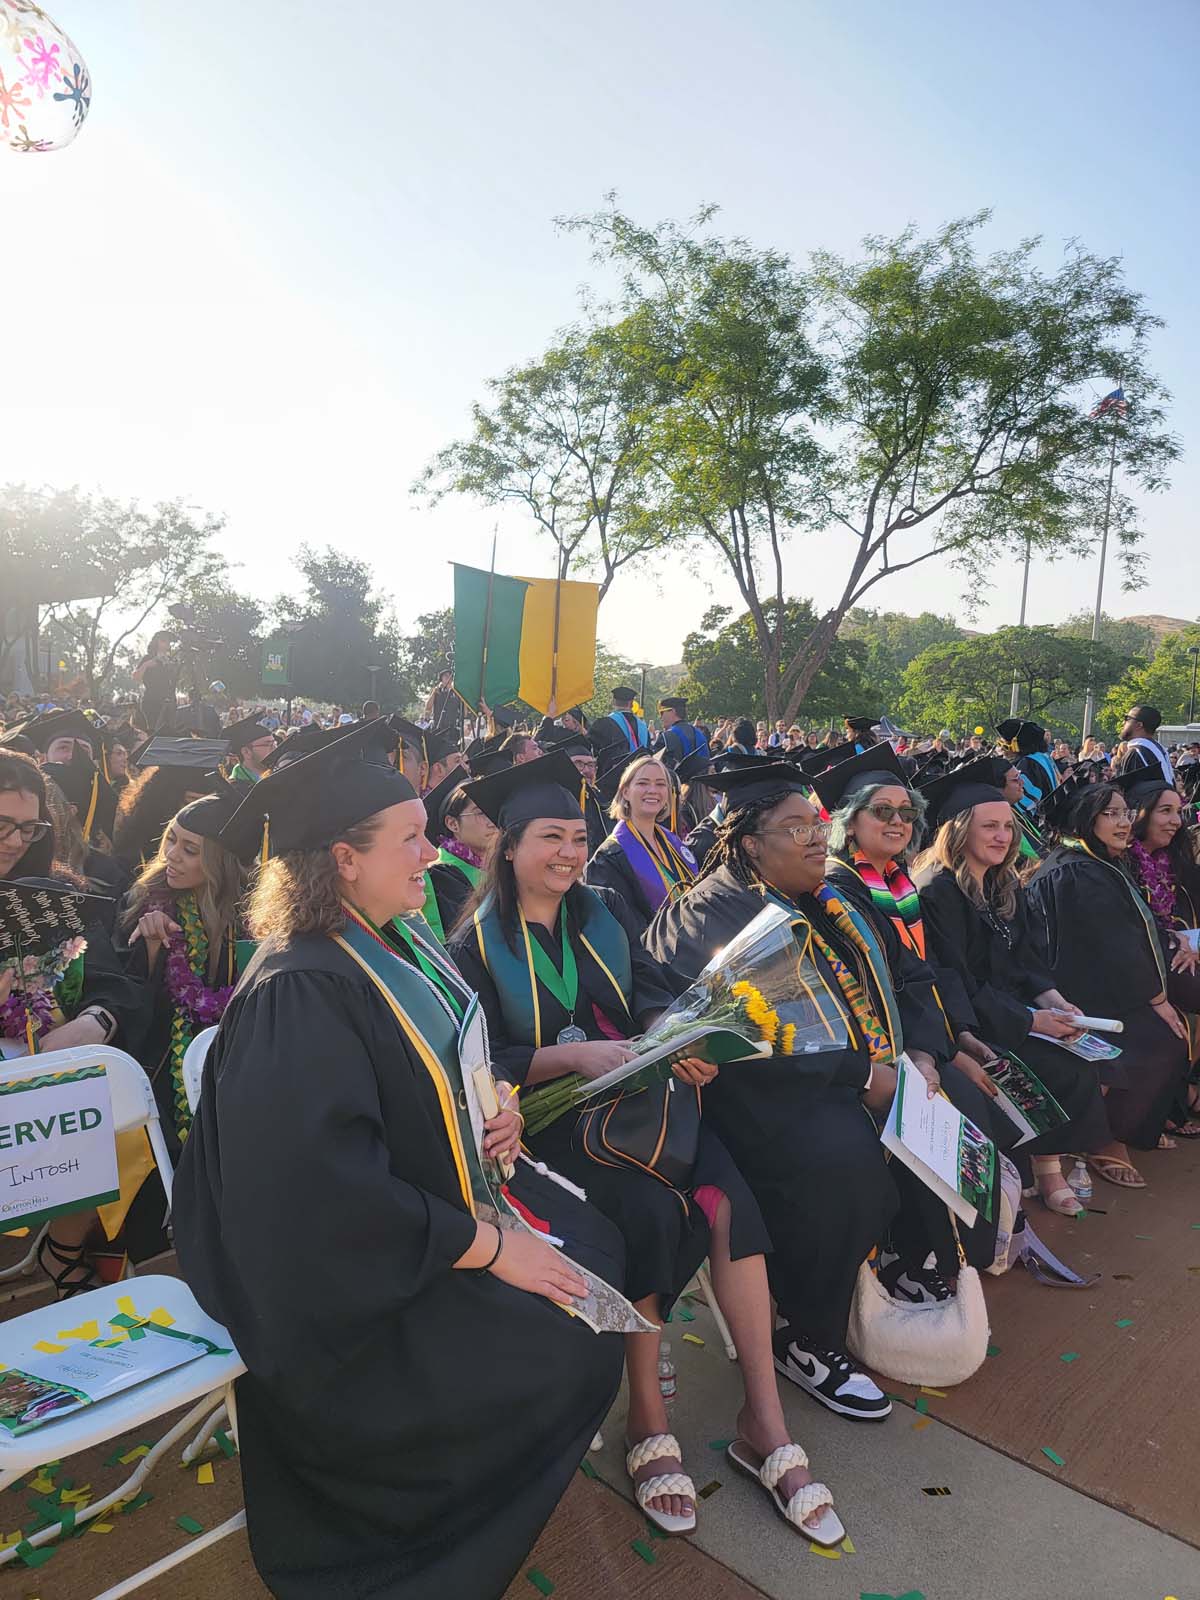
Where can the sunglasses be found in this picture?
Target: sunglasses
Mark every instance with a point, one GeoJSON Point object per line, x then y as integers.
{"type": "Point", "coordinates": [886, 813]}
{"type": "Point", "coordinates": [29, 831]}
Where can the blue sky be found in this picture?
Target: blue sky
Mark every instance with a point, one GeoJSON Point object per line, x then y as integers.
{"type": "Point", "coordinates": [294, 239]}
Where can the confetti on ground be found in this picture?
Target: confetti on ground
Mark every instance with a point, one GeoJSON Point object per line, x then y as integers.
{"type": "Point", "coordinates": [694, 1338]}
{"type": "Point", "coordinates": [686, 1315]}
{"type": "Point", "coordinates": [1095, 1211]}
{"type": "Point", "coordinates": [1146, 1236]}
{"type": "Point", "coordinates": [204, 1474]}
{"type": "Point", "coordinates": [540, 1581]}
{"type": "Point", "coordinates": [1194, 1269]}
{"type": "Point", "coordinates": [1069, 1355]}
{"type": "Point", "coordinates": [710, 1489]}
{"type": "Point", "coordinates": [719, 1444]}
{"type": "Point", "coordinates": [42, 1484]}
{"type": "Point", "coordinates": [1124, 1322]}
{"type": "Point", "coordinates": [922, 1422]}
{"type": "Point", "coordinates": [588, 1469]}
{"type": "Point", "coordinates": [993, 1349]}
{"type": "Point", "coordinates": [132, 1455]}
{"type": "Point", "coordinates": [32, 1557]}
{"type": "Point", "coordinates": [189, 1524]}
{"type": "Point", "coordinates": [1053, 1455]}
{"type": "Point", "coordinates": [833, 1554]}
{"type": "Point", "coordinates": [1122, 1277]}
{"type": "Point", "coordinates": [848, 1546]}
{"type": "Point", "coordinates": [228, 1448]}
{"type": "Point", "coordinates": [101, 1527]}
{"type": "Point", "coordinates": [935, 1491]}
{"type": "Point", "coordinates": [137, 1504]}
{"type": "Point", "coordinates": [938, 1394]}
{"type": "Point", "coordinates": [642, 1549]}
{"type": "Point", "coordinates": [921, 1405]}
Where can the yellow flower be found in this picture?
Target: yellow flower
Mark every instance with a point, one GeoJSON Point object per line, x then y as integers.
{"type": "Point", "coordinates": [742, 989]}
{"type": "Point", "coordinates": [788, 1042]}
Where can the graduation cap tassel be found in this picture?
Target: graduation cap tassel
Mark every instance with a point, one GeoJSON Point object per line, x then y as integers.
{"type": "Point", "coordinates": [265, 853]}
{"type": "Point", "coordinates": [674, 814]}
{"type": "Point", "coordinates": [582, 793]}
{"type": "Point", "coordinates": [91, 814]}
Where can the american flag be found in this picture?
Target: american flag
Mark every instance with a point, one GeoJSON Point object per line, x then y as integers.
{"type": "Point", "coordinates": [1111, 402]}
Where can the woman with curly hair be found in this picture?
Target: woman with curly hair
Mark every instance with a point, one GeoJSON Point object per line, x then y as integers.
{"type": "Point", "coordinates": [1103, 943]}
{"type": "Point", "coordinates": [1162, 858]}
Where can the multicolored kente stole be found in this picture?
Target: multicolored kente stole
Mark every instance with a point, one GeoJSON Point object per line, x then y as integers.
{"type": "Point", "coordinates": [879, 1044]}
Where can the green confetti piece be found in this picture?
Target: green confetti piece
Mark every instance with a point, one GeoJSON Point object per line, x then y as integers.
{"type": "Point", "coordinates": [686, 1315]}
{"type": "Point", "coordinates": [1069, 1355]}
{"type": "Point", "coordinates": [922, 1405]}
{"type": "Point", "coordinates": [32, 1557]}
{"type": "Point", "coordinates": [898, 1398]}
{"type": "Point", "coordinates": [644, 1551]}
{"type": "Point", "coordinates": [913, 1594]}
{"type": "Point", "coordinates": [189, 1524]}
{"type": "Point", "coordinates": [1053, 1455]}
{"type": "Point", "coordinates": [719, 1444]}
{"type": "Point", "coordinates": [114, 1460]}
{"type": "Point", "coordinates": [993, 1349]}
{"type": "Point", "coordinates": [142, 1499]}
{"type": "Point", "coordinates": [539, 1580]}
{"type": "Point", "coordinates": [710, 1489]}
{"type": "Point", "coordinates": [227, 1446]}
{"type": "Point", "coordinates": [588, 1469]}
{"type": "Point", "coordinates": [1124, 1322]}
{"type": "Point", "coordinates": [1145, 1236]}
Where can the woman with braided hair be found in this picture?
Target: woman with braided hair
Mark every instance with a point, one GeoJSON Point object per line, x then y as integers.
{"type": "Point", "coordinates": [799, 1127]}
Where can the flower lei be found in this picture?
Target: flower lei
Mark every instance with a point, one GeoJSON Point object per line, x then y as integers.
{"type": "Point", "coordinates": [29, 1009]}
{"type": "Point", "coordinates": [1157, 875]}
{"type": "Point", "coordinates": [194, 1005]}
{"type": "Point", "coordinates": [455, 847]}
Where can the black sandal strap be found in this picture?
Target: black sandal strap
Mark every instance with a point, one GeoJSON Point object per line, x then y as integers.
{"type": "Point", "coordinates": [72, 1258]}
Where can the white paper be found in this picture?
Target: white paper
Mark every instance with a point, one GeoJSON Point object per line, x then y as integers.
{"type": "Point", "coordinates": [38, 1387]}
{"type": "Point", "coordinates": [58, 1147]}
{"type": "Point", "coordinates": [929, 1136]}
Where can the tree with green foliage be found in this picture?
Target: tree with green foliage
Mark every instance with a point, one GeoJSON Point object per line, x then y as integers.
{"type": "Point", "coordinates": [921, 402]}
{"type": "Point", "coordinates": [237, 620]}
{"type": "Point", "coordinates": [562, 439]}
{"type": "Point", "coordinates": [342, 628]}
{"type": "Point", "coordinates": [1133, 640]}
{"type": "Point", "coordinates": [1164, 681]}
{"type": "Point", "coordinates": [723, 677]}
{"type": "Point", "coordinates": [969, 682]}
{"type": "Point", "coordinates": [426, 652]}
{"type": "Point", "coordinates": [891, 640]}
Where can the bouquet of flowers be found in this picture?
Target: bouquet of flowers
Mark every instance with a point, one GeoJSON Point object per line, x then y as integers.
{"type": "Point", "coordinates": [759, 996]}
{"type": "Point", "coordinates": [39, 984]}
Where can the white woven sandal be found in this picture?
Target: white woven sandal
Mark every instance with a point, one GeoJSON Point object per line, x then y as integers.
{"type": "Point", "coordinates": [828, 1529]}
{"type": "Point", "coordinates": [658, 1447]}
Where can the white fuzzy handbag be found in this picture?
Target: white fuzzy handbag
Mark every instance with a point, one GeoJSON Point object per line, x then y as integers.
{"type": "Point", "coordinates": [937, 1344]}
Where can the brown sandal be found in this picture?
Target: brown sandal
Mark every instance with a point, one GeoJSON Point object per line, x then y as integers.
{"type": "Point", "coordinates": [1105, 1166]}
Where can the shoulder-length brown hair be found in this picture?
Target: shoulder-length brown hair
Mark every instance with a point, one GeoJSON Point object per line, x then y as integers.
{"type": "Point", "coordinates": [1001, 884]}
{"type": "Point", "coordinates": [218, 898]}
{"type": "Point", "coordinates": [620, 805]}
{"type": "Point", "coordinates": [300, 891]}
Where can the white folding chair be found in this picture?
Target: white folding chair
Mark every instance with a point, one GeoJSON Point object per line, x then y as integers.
{"type": "Point", "coordinates": [704, 1283]}
{"type": "Point", "coordinates": [197, 1384]}
{"type": "Point", "coordinates": [193, 1065]}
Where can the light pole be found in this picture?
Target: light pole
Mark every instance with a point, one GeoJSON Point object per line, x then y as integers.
{"type": "Point", "coordinates": [374, 669]}
{"type": "Point", "coordinates": [643, 668]}
{"type": "Point", "coordinates": [1194, 652]}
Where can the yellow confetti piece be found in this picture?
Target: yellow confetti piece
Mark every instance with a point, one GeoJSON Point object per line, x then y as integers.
{"type": "Point", "coordinates": [125, 1304]}
{"type": "Point", "coordinates": [938, 1394]}
{"type": "Point", "coordinates": [162, 1318]}
{"type": "Point", "coordinates": [101, 1527]}
{"type": "Point", "coordinates": [692, 1338]}
{"type": "Point", "coordinates": [204, 1474]}
{"type": "Point", "coordinates": [86, 1330]}
{"type": "Point", "coordinates": [922, 1422]}
{"type": "Point", "coordinates": [132, 1455]}
{"type": "Point", "coordinates": [42, 1485]}
{"type": "Point", "coordinates": [11, 1539]}
{"type": "Point", "coordinates": [824, 1550]}
{"type": "Point", "coordinates": [48, 1349]}
{"type": "Point", "coordinates": [848, 1546]}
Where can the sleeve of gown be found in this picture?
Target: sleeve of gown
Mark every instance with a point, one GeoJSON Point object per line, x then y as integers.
{"type": "Point", "coordinates": [1000, 1018]}
{"type": "Point", "coordinates": [302, 1150]}
{"type": "Point", "coordinates": [510, 1061]}
{"type": "Point", "coordinates": [117, 985]}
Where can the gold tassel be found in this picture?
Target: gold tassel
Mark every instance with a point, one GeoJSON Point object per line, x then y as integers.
{"type": "Point", "coordinates": [30, 1036]}
{"type": "Point", "coordinates": [265, 852]}
{"type": "Point", "coordinates": [104, 763]}
{"type": "Point", "coordinates": [674, 814]}
{"type": "Point", "coordinates": [91, 815]}
{"type": "Point", "coordinates": [582, 793]}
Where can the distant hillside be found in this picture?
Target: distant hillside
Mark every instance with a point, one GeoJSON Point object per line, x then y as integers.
{"type": "Point", "coordinates": [1160, 626]}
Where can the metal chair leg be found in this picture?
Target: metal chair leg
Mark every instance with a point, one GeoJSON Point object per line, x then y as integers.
{"type": "Point", "coordinates": [710, 1299]}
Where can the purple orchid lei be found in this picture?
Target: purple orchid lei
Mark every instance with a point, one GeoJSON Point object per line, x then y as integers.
{"type": "Point", "coordinates": [1157, 874]}
{"type": "Point", "coordinates": [455, 847]}
{"type": "Point", "coordinates": [189, 993]}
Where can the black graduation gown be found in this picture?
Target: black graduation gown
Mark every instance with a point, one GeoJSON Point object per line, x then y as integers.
{"type": "Point", "coordinates": [666, 1235]}
{"type": "Point", "coordinates": [997, 980]}
{"type": "Point", "coordinates": [1100, 952]}
{"type": "Point", "coordinates": [452, 890]}
{"type": "Point", "coordinates": [610, 868]}
{"type": "Point", "coordinates": [406, 1429]}
{"type": "Point", "coordinates": [597, 823]}
{"type": "Point", "coordinates": [796, 1128]}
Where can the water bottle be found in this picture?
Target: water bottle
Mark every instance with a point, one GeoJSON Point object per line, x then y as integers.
{"type": "Point", "coordinates": [1080, 1180]}
{"type": "Point", "coordinates": [666, 1371]}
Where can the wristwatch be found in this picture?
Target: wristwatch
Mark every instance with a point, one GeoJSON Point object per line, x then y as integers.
{"type": "Point", "coordinates": [105, 1018]}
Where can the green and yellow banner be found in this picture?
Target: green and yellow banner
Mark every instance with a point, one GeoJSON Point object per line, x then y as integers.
{"type": "Point", "coordinates": [532, 638]}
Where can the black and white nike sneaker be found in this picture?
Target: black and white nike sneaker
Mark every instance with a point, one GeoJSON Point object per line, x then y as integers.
{"type": "Point", "coordinates": [916, 1286]}
{"type": "Point", "coordinates": [829, 1377]}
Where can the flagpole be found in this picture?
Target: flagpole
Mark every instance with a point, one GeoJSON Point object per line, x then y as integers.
{"type": "Point", "coordinates": [1089, 705]}
{"type": "Point", "coordinates": [1015, 702]}
{"type": "Point", "coordinates": [487, 623]}
{"type": "Point", "coordinates": [552, 709]}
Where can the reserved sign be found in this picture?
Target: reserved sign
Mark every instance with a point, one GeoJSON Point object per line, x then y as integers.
{"type": "Point", "coordinates": [58, 1145]}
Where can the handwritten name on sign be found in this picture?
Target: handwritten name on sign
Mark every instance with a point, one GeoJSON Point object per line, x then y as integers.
{"type": "Point", "coordinates": [35, 920]}
{"type": "Point", "coordinates": [58, 1146]}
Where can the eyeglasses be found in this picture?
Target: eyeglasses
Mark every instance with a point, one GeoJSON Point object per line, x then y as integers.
{"type": "Point", "coordinates": [886, 813]}
{"type": "Point", "coordinates": [29, 831]}
{"type": "Point", "coordinates": [1119, 816]}
{"type": "Point", "coordinates": [804, 832]}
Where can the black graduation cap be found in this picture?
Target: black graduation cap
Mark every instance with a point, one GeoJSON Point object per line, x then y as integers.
{"type": "Point", "coordinates": [247, 731]}
{"type": "Point", "coordinates": [301, 743]}
{"type": "Point", "coordinates": [742, 785]}
{"type": "Point", "coordinates": [548, 732]}
{"type": "Point", "coordinates": [200, 755]}
{"type": "Point", "coordinates": [624, 694]}
{"type": "Point", "coordinates": [435, 744]}
{"type": "Point", "coordinates": [571, 744]}
{"type": "Point", "coordinates": [505, 717]}
{"type": "Point", "coordinates": [37, 915]}
{"type": "Point", "coordinates": [436, 801]}
{"type": "Point", "coordinates": [861, 724]}
{"type": "Point", "coordinates": [79, 779]}
{"type": "Point", "coordinates": [307, 804]}
{"type": "Point", "coordinates": [673, 702]}
{"type": "Point", "coordinates": [956, 792]}
{"type": "Point", "coordinates": [47, 726]}
{"type": "Point", "coordinates": [1055, 808]}
{"type": "Point", "coordinates": [693, 767]}
{"type": "Point", "coordinates": [1141, 784]}
{"type": "Point", "coordinates": [817, 760]}
{"type": "Point", "coordinates": [1026, 736]}
{"type": "Point", "coordinates": [879, 764]}
{"type": "Point", "coordinates": [208, 816]}
{"type": "Point", "coordinates": [547, 787]}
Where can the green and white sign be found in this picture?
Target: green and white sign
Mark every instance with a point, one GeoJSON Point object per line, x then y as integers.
{"type": "Point", "coordinates": [58, 1145]}
{"type": "Point", "coordinates": [276, 664]}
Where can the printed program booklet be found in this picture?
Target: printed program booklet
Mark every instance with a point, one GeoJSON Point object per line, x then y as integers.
{"type": "Point", "coordinates": [1025, 1099]}
{"type": "Point", "coordinates": [1088, 1046]}
{"type": "Point", "coordinates": [48, 1384]}
{"type": "Point", "coordinates": [946, 1150]}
